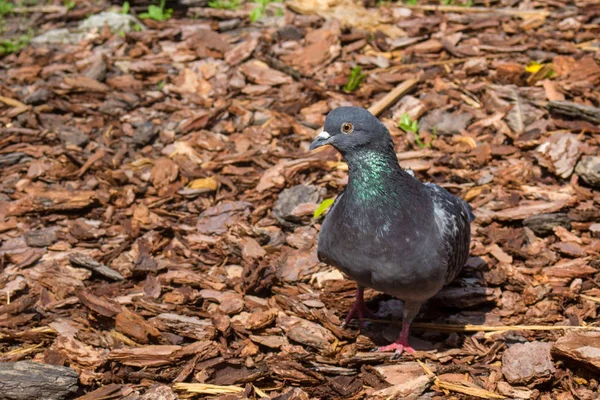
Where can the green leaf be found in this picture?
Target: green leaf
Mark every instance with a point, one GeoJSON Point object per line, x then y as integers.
{"type": "Point", "coordinates": [125, 8]}
{"type": "Point", "coordinates": [354, 79]}
{"type": "Point", "coordinates": [325, 204]}
{"type": "Point", "coordinates": [256, 14]}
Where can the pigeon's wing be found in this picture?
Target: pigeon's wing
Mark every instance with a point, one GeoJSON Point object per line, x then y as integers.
{"type": "Point", "coordinates": [453, 217]}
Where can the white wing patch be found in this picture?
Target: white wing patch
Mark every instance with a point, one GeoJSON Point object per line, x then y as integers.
{"type": "Point", "coordinates": [445, 222]}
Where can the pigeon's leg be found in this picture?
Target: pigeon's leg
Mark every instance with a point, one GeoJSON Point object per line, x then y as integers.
{"type": "Point", "coordinates": [359, 308]}
{"type": "Point", "coordinates": [411, 309]}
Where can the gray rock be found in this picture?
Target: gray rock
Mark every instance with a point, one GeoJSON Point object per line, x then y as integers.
{"type": "Point", "coordinates": [444, 123]}
{"type": "Point", "coordinates": [59, 36]}
{"type": "Point", "coordinates": [588, 169]}
{"type": "Point", "coordinates": [38, 96]}
{"type": "Point", "coordinates": [73, 136]}
{"type": "Point", "coordinates": [145, 133]}
{"type": "Point", "coordinates": [116, 22]}
{"type": "Point", "coordinates": [292, 197]}
{"type": "Point", "coordinates": [10, 158]}
{"type": "Point", "coordinates": [543, 224]}
{"type": "Point", "coordinates": [524, 363]}
{"type": "Point", "coordinates": [31, 380]}
{"type": "Point", "coordinates": [40, 238]}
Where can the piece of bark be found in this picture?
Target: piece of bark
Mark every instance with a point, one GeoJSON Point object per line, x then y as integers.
{"type": "Point", "coordinates": [98, 304]}
{"type": "Point", "coordinates": [183, 325]}
{"type": "Point", "coordinates": [88, 262]}
{"type": "Point", "coordinates": [111, 391]}
{"type": "Point", "coordinates": [575, 110]}
{"type": "Point", "coordinates": [53, 201]}
{"type": "Point", "coordinates": [144, 356]}
{"type": "Point", "coordinates": [580, 348]}
{"type": "Point", "coordinates": [136, 327]}
{"type": "Point", "coordinates": [30, 380]}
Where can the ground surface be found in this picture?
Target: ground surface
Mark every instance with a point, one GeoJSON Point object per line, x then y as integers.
{"type": "Point", "coordinates": [153, 233]}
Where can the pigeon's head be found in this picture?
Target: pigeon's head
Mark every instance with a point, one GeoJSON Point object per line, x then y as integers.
{"type": "Point", "coordinates": [352, 128]}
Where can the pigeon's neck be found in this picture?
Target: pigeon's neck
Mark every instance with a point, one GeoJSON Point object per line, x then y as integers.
{"type": "Point", "coordinates": [373, 174]}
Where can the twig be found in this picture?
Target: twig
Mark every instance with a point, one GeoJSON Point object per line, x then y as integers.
{"type": "Point", "coordinates": [590, 298]}
{"type": "Point", "coordinates": [433, 63]}
{"type": "Point", "coordinates": [460, 388]}
{"type": "Point", "coordinates": [49, 9]}
{"type": "Point", "coordinates": [475, 10]}
{"type": "Point", "coordinates": [486, 328]}
{"type": "Point", "coordinates": [207, 388]}
{"type": "Point", "coordinates": [393, 96]}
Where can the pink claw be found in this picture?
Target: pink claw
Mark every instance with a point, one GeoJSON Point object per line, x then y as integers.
{"type": "Point", "coordinates": [358, 309]}
{"type": "Point", "coordinates": [398, 348]}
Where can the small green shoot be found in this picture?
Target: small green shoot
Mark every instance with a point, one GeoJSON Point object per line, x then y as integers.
{"type": "Point", "coordinates": [407, 124]}
{"type": "Point", "coordinates": [261, 8]}
{"type": "Point", "coordinates": [411, 2]}
{"type": "Point", "coordinates": [125, 8]}
{"type": "Point", "coordinates": [137, 28]}
{"type": "Point", "coordinates": [467, 3]}
{"type": "Point", "coordinates": [70, 4]}
{"type": "Point", "coordinates": [325, 204]}
{"type": "Point", "coordinates": [121, 33]}
{"type": "Point", "coordinates": [158, 13]}
{"type": "Point", "coordinates": [5, 7]}
{"type": "Point", "coordinates": [224, 4]}
{"type": "Point", "coordinates": [14, 45]}
{"type": "Point", "coordinates": [160, 85]}
{"type": "Point", "coordinates": [355, 79]}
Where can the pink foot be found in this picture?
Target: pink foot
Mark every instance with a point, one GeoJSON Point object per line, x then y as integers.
{"type": "Point", "coordinates": [359, 309]}
{"type": "Point", "coordinates": [397, 348]}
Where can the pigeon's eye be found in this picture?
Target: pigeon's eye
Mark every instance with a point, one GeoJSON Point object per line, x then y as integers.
{"type": "Point", "coordinates": [347, 127]}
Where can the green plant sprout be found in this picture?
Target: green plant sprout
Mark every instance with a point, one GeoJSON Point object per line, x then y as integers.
{"type": "Point", "coordinates": [224, 4]}
{"type": "Point", "coordinates": [408, 125]}
{"type": "Point", "coordinates": [467, 3]}
{"type": "Point", "coordinates": [411, 2]}
{"type": "Point", "coordinates": [5, 7]}
{"type": "Point", "coordinates": [70, 4]}
{"type": "Point", "coordinates": [158, 13]}
{"type": "Point", "coordinates": [15, 44]}
{"type": "Point", "coordinates": [259, 11]}
{"type": "Point", "coordinates": [325, 204]}
{"type": "Point", "coordinates": [355, 79]}
{"type": "Point", "coordinates": [125, 8]}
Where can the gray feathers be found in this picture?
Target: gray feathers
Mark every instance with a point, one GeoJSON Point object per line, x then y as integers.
{"type": "Point", "coordinates": [389, 231]}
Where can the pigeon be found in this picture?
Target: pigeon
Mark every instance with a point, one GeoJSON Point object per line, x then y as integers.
{"type": "Point", "coordinates": [387, 230]}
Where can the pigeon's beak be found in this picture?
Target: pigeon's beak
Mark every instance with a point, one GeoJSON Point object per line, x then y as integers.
{"type": "Point", "coordinates": [322, 139]}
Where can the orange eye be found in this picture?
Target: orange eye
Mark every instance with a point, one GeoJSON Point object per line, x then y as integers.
{"type": "Point", "coordinates": [347, 127]}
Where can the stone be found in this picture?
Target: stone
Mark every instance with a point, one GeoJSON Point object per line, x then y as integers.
{"type": "Point", "coordinates": [525, 363]}
{"type": "Point", "coordinates": [145, 133]}
{"type": "Point", "coordinates": [543, 224]}
{"type": "Point", "coordinates": [588, 169]}
{"type": "Point", "coordinates": [89, 27]}
{"type": "Point", "coordinates": [444, 123]}
{"type": "Point", "coordinates": [40, 238]}
{"type": "Point", "coordinates": [290, 198]}
{"type": "Point", "coordinates": [116, 22]}
{"type": "Point", "coordinates": [73, 136]}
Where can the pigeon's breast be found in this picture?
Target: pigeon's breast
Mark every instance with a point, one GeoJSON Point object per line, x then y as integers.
{"type": "Point", "coordinates": [391, 251]}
